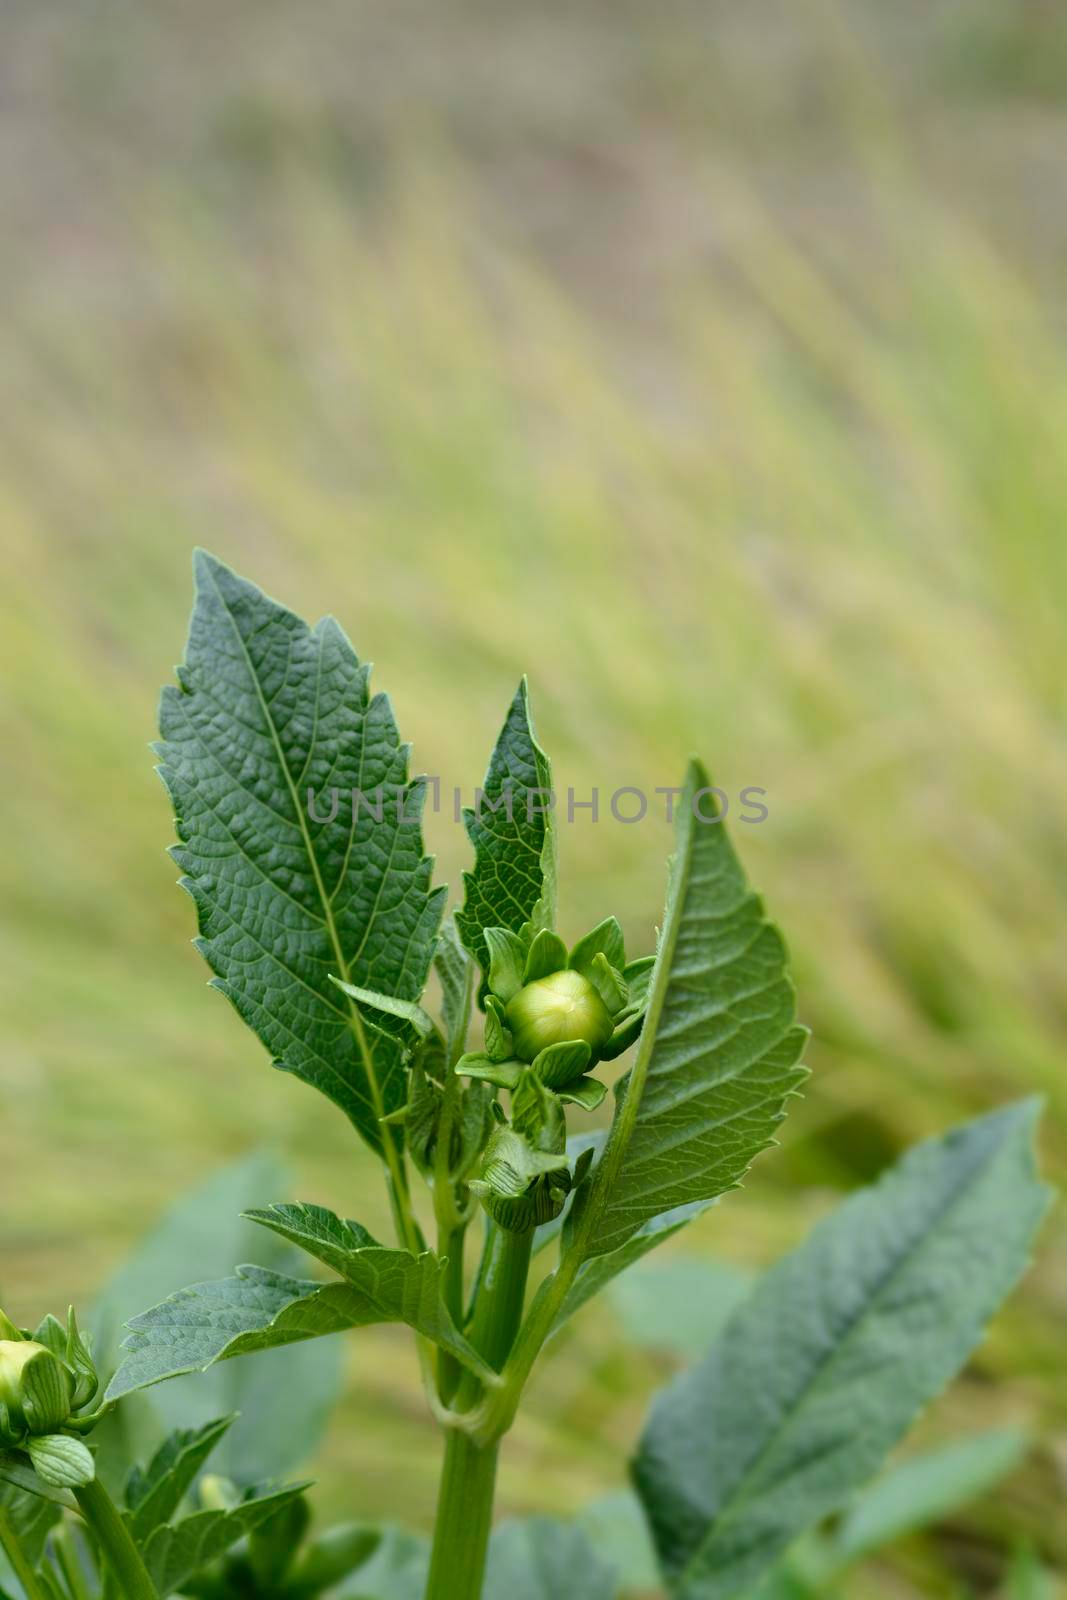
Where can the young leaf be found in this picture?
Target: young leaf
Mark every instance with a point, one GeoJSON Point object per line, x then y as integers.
{"type": "Point", "coordinates": [335, 1554]}
{"type": "Point", "coordinates": [173, 1554]}
{"type": "Point", "coordinates": [270, 718]}
{"type": "Point", "coordinates": [154, 1495]}
{"type": "Point", "coordinates": [257, 1309]}
{"type": "Point", "coordinates": [542, 1558]}
{"type": "Point", "coordinates": [925, 1488]}
{"type": "Point", "coordinates": [453, 968]}
{"type": "Point", "coordinates": [719, 1049]}
{"type": "Point", "coordinates": [513, 834]}
{"type": "Point", "coordinates": [825, 1364]}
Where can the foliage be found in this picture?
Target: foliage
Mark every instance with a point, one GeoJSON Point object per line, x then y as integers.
{"type": "Point", "coordinates": [809, 1382]}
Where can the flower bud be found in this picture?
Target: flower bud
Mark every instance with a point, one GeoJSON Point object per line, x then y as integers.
{"type": "Point", "coordinates": [36, 1390]}
{"type": "Point", "coordinates": [559, 1008]}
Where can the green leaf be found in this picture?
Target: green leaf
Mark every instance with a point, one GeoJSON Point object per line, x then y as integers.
{"type": "Point", "coordinates": [257, 1309]}
{"type": "Point", "coordinates": [541, 1558]}
{"type": "Point", "coordinates": [498, 1041]}
{"type": "Point", "coordinates": [927, 1487]}
{"type": "Point", "coordinates": [719, 1050]}
{"type": "Point", "coordinates": [679, 1305]}
{"type": "Point", "coordinates": [16, 1473]}
{"type": "Point", "coordinates": [272, 1547]}
{"type": "Point", "coordinates": [268, 711]}
{"type": "Point", "coordinates": [504, 1074]}
{"type": "Point", "coordinates": [154, 1495]}
{"type": "Point", "coordinates": [823, 1367]}
{"type": "Point", "coordinates": [284, 1396]}
{"type": "Point", "coordinates": [514, 877]}
{"type": "Point", "coordinates": [172, 1554]}
{"type": "Point", "coordinates": [337, 1243]}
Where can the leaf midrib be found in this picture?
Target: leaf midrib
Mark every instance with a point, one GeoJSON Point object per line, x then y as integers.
{"type": "Point", "coordinates": [330, 924]}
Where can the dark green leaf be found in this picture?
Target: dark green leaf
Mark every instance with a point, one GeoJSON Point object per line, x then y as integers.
{"type": "Point", "coordinates": [600, 1270]}
{"type": "Point", "coordinates": [616, 1528]}
{"type": "Point", "coordinates": [173, 1554]}
{"type": "Point", "coordinates": [267, 712]}
{"type": "Point", "coordinates": [823, 1367]}
{"type": "Point", "coordinates": [154, 1495]}
{"type": "Point", "coordinates": [256, 1310]}
{"type": "Point", "coordinates": [513, 832]}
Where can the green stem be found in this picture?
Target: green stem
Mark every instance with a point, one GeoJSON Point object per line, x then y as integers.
{"type": "Point", "coordinates": [450, 1246]}
{"type": "Point", "coordinates": [20, 1563]}
{"type": "Point", "coordinates": [464, 1517]}
{"type": "Point", "coordinates": [468, 1475]}
{"type": "Point", "coordinates": [115, 1541]}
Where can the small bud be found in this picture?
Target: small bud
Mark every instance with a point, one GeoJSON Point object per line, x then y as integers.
{"type": "Point", "coordinates": [36, 1390]}
{"type": "Point", "coordinates": [556, 1009]}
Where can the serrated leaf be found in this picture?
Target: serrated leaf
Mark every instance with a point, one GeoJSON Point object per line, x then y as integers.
{"type": "Point", "coordinates": [154, 1495]}
{"type": "Point", "coordinates": [513, 881]}
{"type": "Point", "coordinates": [267, 712]}
{"type": "Point", "coordinates": [927, 1487]}
{"type": "Point", "coordinates": [719, 1050]}
{"type": "Point", "coordinates": [257, 1310]}
{"type": "Point", "coordinates": [823, 1367]}
{"type": "Point", "coordinates": [172, 1554]}
{"type": "Point", "coordinates": [541, 1558]}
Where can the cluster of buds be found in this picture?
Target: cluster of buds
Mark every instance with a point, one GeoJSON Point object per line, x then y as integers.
{"type": "Point", "coordinates": [550, 1017]}
{"type": "Point", "coordinates": [47, 1379]}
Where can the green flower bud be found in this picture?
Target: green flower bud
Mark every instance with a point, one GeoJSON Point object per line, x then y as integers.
{"type": "Point", "coordinates": [36, 1390]}
{"type": "Point", "coordinates": [559, 1008]}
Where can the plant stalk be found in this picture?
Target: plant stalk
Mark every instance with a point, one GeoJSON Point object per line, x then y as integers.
{"type": "Point", "coordinates": [115, 1541]}
{"type": "Point", "coordinates": [464, 1518]}
{"type": "Point", "coordinates": [468, 1474]}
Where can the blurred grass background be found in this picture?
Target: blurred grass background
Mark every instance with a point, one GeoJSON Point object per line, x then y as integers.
{"type": "Point", "coordinates": [707, 362]}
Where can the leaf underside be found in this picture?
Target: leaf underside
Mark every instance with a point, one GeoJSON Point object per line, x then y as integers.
{"type": "Point", "coordinates": [513, 880]}
{"type": "Point", "coordinates": [266, 710]}
{"type": "Point", "coordinates": [826, 1363]}
{"type": "Point", "coordinates": [173, 1554]}
{"type": "Point", "coordinates": [718, 1059]}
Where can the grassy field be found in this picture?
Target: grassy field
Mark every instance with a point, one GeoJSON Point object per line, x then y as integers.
{"type": "Point", "coordinates": [762, 459]}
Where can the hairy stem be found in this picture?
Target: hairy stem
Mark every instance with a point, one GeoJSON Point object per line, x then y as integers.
{"type": "Point", "coordinates": [20, 1563]}
{"type": "Point", "coordinates": [115, 1541]}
